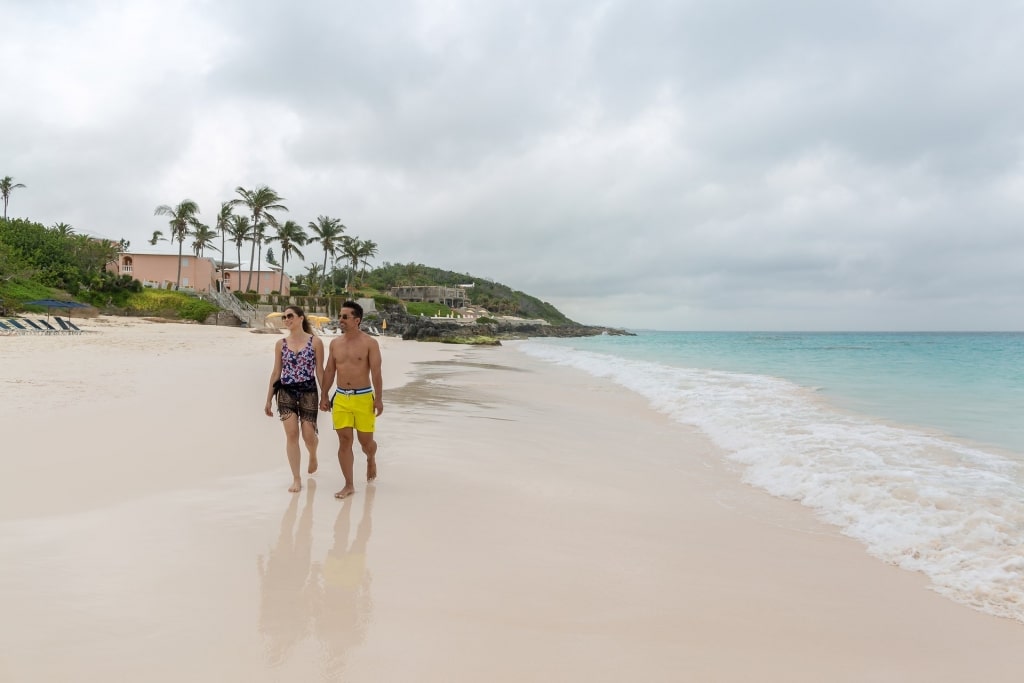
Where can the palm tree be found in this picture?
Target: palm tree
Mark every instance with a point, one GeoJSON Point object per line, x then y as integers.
{"type": "Point", "coordinates": [367, 252]}
{"type": "Point", "coordinates": [351, 250]}
{"type": "Point", "coordinates": [259, 237]}
{"type": "Point", "coordinates": [238, 228]}
{"type": "Point", "coordinates": [290, 236]}
{"type": "Point", "coordinates": [203, 237]}
{"type": "Point", "coordinates": [314, 276]}
{"type": "Point", "coordinates": [259, 202]}
{"type": "Point", "coordinates": [328, 233]}
{"type": "Point", "coordinates": [183, 218]}
{"type": "Point", "coordinates": [224, 217]}
{"type": "Point", "coordinates": [63, 229]}
{"type": "Point", "coordinates": [7, 185]}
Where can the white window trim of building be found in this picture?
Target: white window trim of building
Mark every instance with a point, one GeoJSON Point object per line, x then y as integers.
{"type": "Point", "coordinates": [184, 262]}
{"type": "Point", "coordinates": [184, 282]}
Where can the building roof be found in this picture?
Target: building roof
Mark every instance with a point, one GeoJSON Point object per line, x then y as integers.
{"type": "Point", "coordinates": [246, 267]}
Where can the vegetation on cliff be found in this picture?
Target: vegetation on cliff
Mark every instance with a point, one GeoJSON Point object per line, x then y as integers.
{"type": "Point", "coordinates": [495, 297]}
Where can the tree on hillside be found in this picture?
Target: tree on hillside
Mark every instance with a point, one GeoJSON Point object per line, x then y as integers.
{"type": "Point", "coordinates": [7, 185]}
{"type": "Point", "coordinates": [259, 202]}
{"type": "Point", "coordinates": [182, 221]}
{"type": "Point", "coordinates": [412, 273]}
{"type": "Point", "coordinates": [202, 239]}
{"type": "Point", "coordinates": [238, 229]}
{"type": "Point", "coordinates": [290, 236]}
{"type": "Point", "coordinates": [92, 255]}
{"type": "Point", "coordinates": [327, 231]}
{"type": "Point", "coordinates": [63, 229]}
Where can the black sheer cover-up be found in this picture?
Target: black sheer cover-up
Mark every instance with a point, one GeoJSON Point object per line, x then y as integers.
{"type": "Point", "coordinates": [299, 398]}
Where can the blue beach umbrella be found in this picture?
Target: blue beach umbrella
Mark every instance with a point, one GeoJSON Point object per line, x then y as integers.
{"type": "Point", "coordinates": [53, 303]}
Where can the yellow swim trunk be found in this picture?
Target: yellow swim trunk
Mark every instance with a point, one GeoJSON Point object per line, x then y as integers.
{"type": "Point", "coordinates": [353, 409]}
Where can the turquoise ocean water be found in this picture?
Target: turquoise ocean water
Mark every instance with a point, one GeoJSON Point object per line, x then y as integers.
{"type": "Point", "coordinates": [912, 443]}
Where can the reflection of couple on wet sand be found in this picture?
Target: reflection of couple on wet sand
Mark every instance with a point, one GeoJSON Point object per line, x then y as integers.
{"type": "Point", "coordinates": [343, 604]}
{"type": "Point", "coordinates": [331, 599]}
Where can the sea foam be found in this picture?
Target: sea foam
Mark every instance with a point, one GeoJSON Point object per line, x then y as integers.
{"type": "Point", "coordinates": [916, 499]}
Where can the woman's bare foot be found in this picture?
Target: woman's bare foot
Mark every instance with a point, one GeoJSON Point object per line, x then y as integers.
{"type": "Point", "coordinates": [295, 487]}
{"type": "Point", "coordinates": [312, 463]}
{"type": "Point", "coordinates": [371, 468]}
{"type": "Point", "coordinates": [345, 492]}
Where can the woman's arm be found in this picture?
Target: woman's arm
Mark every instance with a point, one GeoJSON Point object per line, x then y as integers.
{"type": "Point", "coordinates": [329, 374]}
{"type": "Point", "coordinates": [318, 348]}
{"type": "Point", "coordinates": [274, 376]}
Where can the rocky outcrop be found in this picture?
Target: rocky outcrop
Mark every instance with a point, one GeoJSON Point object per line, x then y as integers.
{"type": "Point", "coordinates": [413, 327]}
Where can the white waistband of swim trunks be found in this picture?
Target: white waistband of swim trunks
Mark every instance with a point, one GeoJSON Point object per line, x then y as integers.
{"type": "Point", "coordinates": [354, 392]}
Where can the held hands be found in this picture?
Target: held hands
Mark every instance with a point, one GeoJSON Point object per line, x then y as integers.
{"type": "Point", "coordinates": [325, 402]}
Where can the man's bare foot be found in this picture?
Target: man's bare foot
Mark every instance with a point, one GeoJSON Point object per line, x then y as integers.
{"type": "Point", "coordinates": [345, 492]}
{"type": "Point", "coordinates": [295, 487]}
{"type": "Point", "coordinates": [371, 468]}
{"type": "Point", "coordinates": [312, 463]}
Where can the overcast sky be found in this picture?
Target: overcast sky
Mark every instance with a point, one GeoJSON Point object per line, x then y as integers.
{"type": "Point", "coordinates": [701, 165]}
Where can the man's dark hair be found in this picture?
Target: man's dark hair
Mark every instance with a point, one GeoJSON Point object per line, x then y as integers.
{"type": "Point", "coordinates": [356, 308]}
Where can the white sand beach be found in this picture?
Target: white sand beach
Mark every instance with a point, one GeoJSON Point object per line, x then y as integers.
{"type": "Point", "coordinates": [529, 523]}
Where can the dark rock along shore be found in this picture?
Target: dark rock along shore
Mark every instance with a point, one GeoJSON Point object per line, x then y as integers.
{"type": "Point", "coordinates": [414, 327]}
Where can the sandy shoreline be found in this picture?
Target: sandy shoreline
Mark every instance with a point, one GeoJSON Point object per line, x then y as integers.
{"type": "Point", "coordinates": [530, 523]}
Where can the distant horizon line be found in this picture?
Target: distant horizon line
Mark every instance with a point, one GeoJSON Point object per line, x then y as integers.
{"type": "Point", "coordinates": [651, 329]}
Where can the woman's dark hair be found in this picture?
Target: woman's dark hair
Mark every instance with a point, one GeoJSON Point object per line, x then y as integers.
{"type": "Point", "coordinates": [306, 327]}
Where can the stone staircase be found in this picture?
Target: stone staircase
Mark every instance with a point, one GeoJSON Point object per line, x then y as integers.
{"type": "Point", "coordinates": [245, 312]}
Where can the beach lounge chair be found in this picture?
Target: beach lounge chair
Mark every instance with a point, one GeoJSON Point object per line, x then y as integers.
{"type": "Point", "coordinates": [6, 329]}
{"type": "Point", "coordinates": [37, 328]}
{"type": "Point", "coordinates": [50, 329]}
{"type": "Point", "coordinates": [21, 328]}
{"type": "Point", "coordinates": [67, 326]}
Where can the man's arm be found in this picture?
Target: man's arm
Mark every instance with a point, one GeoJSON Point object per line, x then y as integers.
{"type": "Point", "coordinates": [375, 376]}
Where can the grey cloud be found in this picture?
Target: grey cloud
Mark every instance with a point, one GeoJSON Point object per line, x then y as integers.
{"type": "Point", "coordinates": [732, 165]}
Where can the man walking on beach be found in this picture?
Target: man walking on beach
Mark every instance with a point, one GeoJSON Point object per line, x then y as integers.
{"type": "Point", "coordinates": [353, 364]}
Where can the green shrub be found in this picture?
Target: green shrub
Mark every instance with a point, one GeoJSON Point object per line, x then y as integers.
{"type": "Point", "coordinates": [426, 308]}
{"type": "Point", "coordinates": [248, 297]}
{"type": "Point", "coordinates": [484, 320]}
{"type": "Point", "coordinates": [169, 304]}
{"type": "Point", "coordinates": [383, 301]}
{"type": "Point", "coordinates": [197, 310]}
{"type": "Point", "coordinates": [15, 291]}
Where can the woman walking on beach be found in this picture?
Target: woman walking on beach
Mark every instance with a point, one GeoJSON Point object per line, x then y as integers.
{"type": "Point", "coordinates": [298, 372]}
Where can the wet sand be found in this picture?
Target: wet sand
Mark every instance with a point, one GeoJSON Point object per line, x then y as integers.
{"type": "Point", "coordinates": [529, 523]}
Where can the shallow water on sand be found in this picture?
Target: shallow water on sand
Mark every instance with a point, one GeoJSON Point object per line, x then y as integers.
{"type": "Point", "coordinates": [911, 443]}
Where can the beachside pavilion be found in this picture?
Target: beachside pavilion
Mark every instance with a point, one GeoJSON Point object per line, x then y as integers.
{"type": "Point", "coordinates": [199, 273]}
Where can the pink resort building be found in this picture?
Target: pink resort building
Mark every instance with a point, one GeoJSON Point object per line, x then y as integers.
{"type": "Point", "coordinates": [199, 273]}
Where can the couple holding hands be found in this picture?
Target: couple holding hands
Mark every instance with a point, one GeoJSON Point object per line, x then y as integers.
{"type": "Point", "coordinates": [353, 365]}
